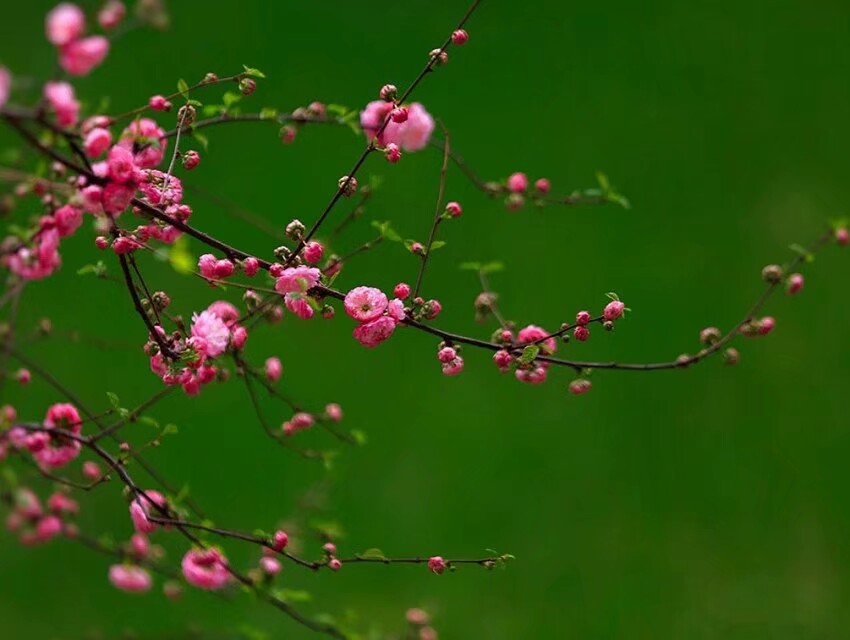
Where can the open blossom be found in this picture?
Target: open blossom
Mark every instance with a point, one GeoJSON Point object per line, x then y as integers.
{"type": "Point", "coordinates": [67, 219]}
{"type": "Point", "coordinates": [533, 333]}
{"type": "Point", "coordinates": [149, 140]}
{"type": "Point", "coordinates": [371, 334]}
{"type": "Point", "coordinates": [297, 280]}
{"type": "Point", "coordinates": [411, 135]}
{"type": "Point", "coordinates": [79, 57]}
{"type": "Point", "coordinates": [121, 164]}
{"type": "Point", "coordinates": [5, 85]}
{"type": "Point", "coordinates": [60, 96]}
{"type": "Point", "coordinates": [365, 303]}
{"type": "Point", "coordinates": [130, 578]}
{"type": "Point", "coordinates": [38, 261]}
{"type": "Point", "coordinates": [141, 508]}
{"type": "Point", "coordinates": [205, 568]}
{"type": "Point", "coordinates": [299, 305]}
{"type": "Point", "coordinates": [213, 332]}
{"type": "Point", "coordinates": [97, 141]}
{"type": "Point", "coordinates": [64, 23]}
{"type": "Point", "coordinates": [453, 367]}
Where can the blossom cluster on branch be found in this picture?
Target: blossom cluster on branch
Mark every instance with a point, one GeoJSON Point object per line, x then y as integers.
{"type": "Point", "coordinates": [119, 179]}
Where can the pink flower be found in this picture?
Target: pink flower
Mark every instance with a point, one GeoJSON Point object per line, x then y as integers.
{"type": "Point", "coordinates": [159, 103]}
{"type": "Point", "coordinates": [402, 290]}
{"type": "Point", "coordinates": [613, 310]}
{"type": "Point", "coordinates": [543, 185]}
{"type": "Point", "coordinates": [274, 369]}
{"type": "Point", "coordinates": [111, 14]}
{"type": "Point", "coordinates": [59, 502]}
{"type": "Point", "coordinates": [60, 96]}
{"type": "Point", "coordinates": [250, 266]}
{"type": "Point", "coordinates": [141, 508]}
{"type": "Point", "coordinates": [503, 360]}
{"type": "Point", "coordinates": [581, 333]}
{"type": "Point", "coordinates": [140, 544]}
{"type": "Point", "coordinates": [206, 265]}
{"type": "Point", "coordinates": [395, 309]}
{"type": "Point", "coordinates": [68, 219]}
{"type": "Point", "coordinates": [371, 334]}
{"type": "Point", "coordinates": [392, 153]}
{"type": "Point", "coordinates": [365, 303]}
{"type": "Point", "coordinates": [280, 540]}
{"type": "Point", "coordinates": [79, 57]}
{"type": "Point", "coordinates": [453, 367]}
{"type": "Point", "coordinates": [149, 137]}
{"type": "Point", "coordinates": [270, 566]}
{"type": "Point", "coordinates": [224, 310]}
{"type": "Point", "coordinates": [313, 252]}
{"type": "Point", "coordinates": [205, 569]}
{"type": "Point", "coordinates": [48, 528]}
{"type": "Point", "coordinates": [533, 333]}
{"type": "Point", "coordinates": [64, 23]}
{"type": "Point", "coordinates": [534, 375]}
{"type": "Point", "coordinates": [436, 564]}
{"type": "Point", "coordinates": [130, 578]}
{"type": "Point", "coordinates": [5, 85]}
{"type": "Point", "coordinates": [411, 135]}
{"type": "Point", "coordinates": [297, 280]}
{"type": "Point", "coordinates": [334, 564]}
{"type": "Point", "coordinates": [579, 386]}
{"type": "Point", "coordinates": [446, 354]}
{"type": "Point", "coordinates": [766, 325]}
{"type": "Point", "coordinates": [454, 209]}
{"type": "Point", "coordinates": [299, 305]}
{"type": "Point", "coordinates": [333, 412]}
{"type": "Point", "coordinates": [63, 416]}
{"type": "Point", "coordinates": [518, 182]}
{"type": "Point", "coordinates": [191, 159]}
{"type": "Point", "coordinates": [91, 470]}
{"type": "Point", "coordinates": [459, 37]}
{"type": "Point", "coordinates": [97, 141]}
{"type": "Point", "coordinates": [795, 283]}
{"type": "Point", "coordinates": [117, 197]}
{"type": "Point", "coordinates": [121, 164]}
{"type": "Point", "coordinates": [213, 331]}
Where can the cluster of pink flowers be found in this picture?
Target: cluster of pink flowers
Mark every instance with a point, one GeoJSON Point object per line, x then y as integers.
{"type": "Point", "coordinates": [49, 448]}
{"type": "Point", "coordinates": [517, 188]}
{"type": "Point", "coordinates": [65, 27]}
{"type": "Point", "coordinates": [33, 524]}
{"type": "Point", "coordinates": [377, 315]}
{"type": "Point", "coordinates": [213, 331]}
{"type": "Point", "coordinates": [408, 128]}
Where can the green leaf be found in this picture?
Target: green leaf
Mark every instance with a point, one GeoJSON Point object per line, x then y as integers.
{"type": "Point", "coordinates": [183, 88]}
{"type": "Point", "coordinates": [201, 138]}
{"type": "Point", "coordinates": [386, 231]}
{"type": "Point", "coordinates": [292, 595]}
{"type": "Point", "coordinates": [268, 113]}
{"type": "Point", "coordinates": [99, 269]}
{"type": "Point", "coordinates": [169, 429]}
{"type": "Point", "coordinates": [529, 354]}
{"type": "Point", "coordinates": [492, 267]}
{"type": "Point", "coordinates": [179, 257]}
{"type": "Point", "coordinates": [470, 266]}
{"type": "Point", "coordinates": [210, 110]}
{"type": "Point", "coordinates": [373, 554]}
{"type": "Point", "coordinates": [113, 400]}
{"type": "Point", "coordinates": [807, 255]}
{"type": "Point", "coordinates": [359, 436]}
{"type": "Point", "coordinates": [437, 244]}
{"type": "Point", "coordinates": [612, 296]}
{"type": "Point", "coordinates": [230, 98]}
{"type": "Point", "coordinates": [256, 73]}
{"type": "Point", "coordinates": [603, 181]}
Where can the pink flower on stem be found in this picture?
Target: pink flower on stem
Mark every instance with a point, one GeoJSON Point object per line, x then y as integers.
{"type": "Point", "coordinates": [581, 333]}
{"type": "Point", "coordinates": [534, 375]}
{"type": "Point", "coordinates": [91, 470]}
{"type": "Point", "coordinates": [371, 334]}
{"type": "Point", "coordinates": [436, 564]}
{"type": "Point", "coordinates": [64, 23]}
{"type": "Point", "coordinates": [333, 412]}
{"type": "Point", "coordinates": [365, 303]}
{"type": "Point", "coordinates": [334, 564]}
{"type": "Point", "coordinates": [130, 578]}
{"type": "Point", "coordinates": [299, 304]}
{"type": "Point", "coordinates": [297, 280]}
{"type": "Point", "coordinates": [213, 332]}
{"type": "Point", "coordinates": [503, 360]}
{"type": "Point", "coordinates": [518, 182]}
{"type": "Point", "coordinates": [270, 566]}
{"type": "Point", "coordinates": [48, 528]}
{"type": "Point", "coordinates": [140, 545]}
{"type": "Point", "coordinates": [542, 185]}
{"type": "Point", "coordinates": [795, 283]}
{"type": "Point", "coordinates": [411, 135]}
{"type": "Point", "coordinates": [613, 310]}
{"type": "Point", "coordinates": [299, 422]}
{"type": "Point", "coordinates": [80, 57]}
{"type": "Point", "coordinates": [273, 369]}
{"type": "Point", "coordinates": [453, 367]}
{"type": "Point", "coordinates": [401, 290]}
{"type": "Point", "coordinates": [280, 540]}
{"type": "Point", "coordinates": [459, 37]}
{"type": "Point", "coordinates": [121, 164]}
{"type": "Point", "coordinates": [313, 252]}
{"type": "Point", "coordinates": [392, 153]}
{"type": "Point", "coordinates": [111, 14]}
{"type": "Point", "coordinates": [533, 333]}
{"type": "Point", "coordinates": [60, 96]}
{"type": "Point", "coordinates": [446, 354]}
{"type": "Point", "coordinates": [97, 141]}
{"type": "Point", "coordinates": [150, 141]}
{"type": "Point", "coordinates": [579, 386]}
{"type": "Point", "coordinates": [59, 502]}
{"type": "Point", "coordinates": [159, 103]}
{"type": "Point", "coordinates": [766, 325]}
{"type": "Point", "coordinates": [145, 505]}
{"type": "Point", "coordinates": [454, 209]}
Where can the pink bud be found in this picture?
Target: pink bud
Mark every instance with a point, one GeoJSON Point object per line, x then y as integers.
{"type": "Point", "coordinates": [399, 115]}
{"type": "Point", "coordinates": [223, 269]}
{"type": "Point", "coordinates": [313, 252]}
{"type": "Point", "coordinates": [329, 548]}
{"type": "Point", "coordinates": [388, 92]}
{"type": "Point", "coordinates": [280, 540]}
{"type": "Point", "coordinates": [542, 185]}
{"type": "Point", "coordinates": [91, 470]}
{"type": "Point", "coordinates": [273, 368]}
{"type": "Point", "coordinates": [101, 242]}
{"type": "Point", "coordinates": [503, 360]}
{"type": "Point", "coordinates": [454, 209]}
{"type": "Point", "coordinates": [613, 310]}
{"type": "Point", "coordinates": [23, 376]}
{"type": "Point", "coordinates": [401, 290]}
{"type": "Point", "coordinates": [518, 182]}
{"type": "Point", "coordinates": [446, 354]}
{"type": "Point", "coordinates": [159, 103]}
{"type": "Point", "coordinates": [582, 317]}
{"type": "Point", "coordinates": [79, 57]}
{"type": "Point", "coordinates": [459, 37]}
{"type": "Point", "coordinates": [392, 153]}
{"type": "Point", "coordinates": [334, 564]}
{"type": "Point", "coordinates": [250, 266]}
{"type": "Point", "coordinates": [581, 333]}
{"type": "Point", "coordinates": [842, 236]}
{"type": "Point", "coordinates": [795, 283]}
{"type": "Point", "coordinates": [766, 325]}
{"type": "Point", "coordinates": [96, 142]}
{"type": "Point", "coordinates": [579, 386]}
{"type": "Point", "coordinates": [64, 23]}
{"type": "Point", "coordinates": [333, 412]}
{"type": "Point", "coordinates": [111, 14]}
{"type": "Point", "coordinates": [436, 564]}
{"type": "Point", "coordinates": [191, 159]}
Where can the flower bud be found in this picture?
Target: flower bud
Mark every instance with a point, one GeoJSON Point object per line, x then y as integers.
{"type": "Point", "coordinates": [772, 273]}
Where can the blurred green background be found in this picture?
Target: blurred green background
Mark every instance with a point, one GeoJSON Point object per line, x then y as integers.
{"type": "Point", "coordinates": [709, 503]}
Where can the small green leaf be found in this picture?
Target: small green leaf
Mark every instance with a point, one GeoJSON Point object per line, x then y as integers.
{"type": "Point", "coordinates": [807, 255]}
{"type": "Point", "coordinates": [230, 98]}
{"type": "Point", "coordinates": [438, 244]}
{"type": "Point", "coordinates": [470, 266]}
{"type": "Point", "coordinates": [492, 267]}
{"type": "Point", "coordinates": [169, 429]}
{"type": "Point", "coordinates": [529, 354]}
{"type": "Point", "coordinates": [292, 595]}
{"type": "Point", "coordinates": [612, 296]}
{"type": "Point", "coordinates": [256, 73]}
{"type": "Point", "coordinates": [603, 181]}
{"type": "Point", "coordinates": [183, 88]}
{"type": "Point", "coordinates": [201, 138]}
{"type": "Point", "coordinates": [359, 436]}
{"type": "Point", "coordinates": [113, 400]}
{"type": "Point", "coordinates": [268, 113]}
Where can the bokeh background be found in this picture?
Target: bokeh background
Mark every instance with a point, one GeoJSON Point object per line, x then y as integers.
{"type": "Point", "coordinates": [709, 503]}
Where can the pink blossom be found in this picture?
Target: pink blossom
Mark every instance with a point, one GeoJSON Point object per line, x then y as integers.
{"type": "Point", "coordinates": [542, 185]}
{"type": "Point", "coordinates": [503, 360]}
{"type": "Point", "coordinates": [121, 164]}
{"type": "Point", "coordinates": [395, 310]}
{"type": "Point", "coordinates": [333, 412]}
{"type": "Point", "coordinates": [23, 376]}
{"type": "Point", "coordinates": [111, 14]}
{"type": "Point", "coordinates": [432, 309]}
{"type": "Point", "coordinates": [297, 280]}
{"type": "Point", "coordinates": [313, 252]}
{"type": "Point", "coordinates": [191, 159]}
{"type": "Point", "coordinates": [117, 197]}
{"type": "Point", "coordinates": [411, 135]}
{"type": "Point", "coordinates": [64, 23]}
{"type": "Point", "coordinates": [130, 578]}
{"type": "Point", "coordinates": [334, 564]}
{"type": "Point", "coordinates": [59, 502]}
{"type": "Point", "coordinates": [140, 544]}
{"type": "Point", "coordinates": [579, 386]}
{"type": "Point", "coordinates": [298, 422]}
{"type": "Point", "coordinates": [91, 470]}
{"type": "Point", "coordinates": [141, 508]}
{"type": "Point", "coordinates": [150, 139]}
{"type": "Point", "coordinates": [68, 219]}
{"type": "Point", "coordinates": [299, 305]}
{"type": "Point", "coordinates": [273, 369]}
{"type": "Point", "coordinates": [280, 540]}
{"type": "Point", "coordinates": [766, 325]}
{"type": "Point", "coordinates": [250, 266]}
{"type": "Point", "coordinates": [38, 261]}
{"type": "Point", "coordinates": [238, 337]}
{"type": "Point", "coordinates": [518, 182]}
{"type": "Point", "coordinates": [124, 245]}
{"type": "Point", "coordinates": [97, 141]}
{"type": "Point", "coordinates": [48, 528]}
{"type": "Point", "coordinates": [206, 265]}
{"type": "Point", "coordinates": [5, 85]}
{"type": "Point", "coordinates": [436, 564]}
{"type": "Point", "coordinates": [159, 103]}
{"type": "Point", "coordinates": [842, 236]}
{"type": "Point", "coordinates": [205, 568]}
{"type": "Point", "coordinates": [79, 57]}
{"type": "Point", "coordinates": [60, 96]}
{"type": "Point", "coordinates": [270, 566]}
{"type": "Point", "coordinates": [795, 283]}
{"type": "Point", "coordinates": [392, 153]}
{"type": "Point", "coordinates": [224, 310]}
{"type": "Point", "coordinates": [533, 333]}
{"type": "Point", "coordinates": [64, 416]}
{"type": "Point", "coordinates": [535, 375]}
{"type": "Point", "coordinates": [453, 367]}
{"type": "Point", "coordinates": [446, 354]}
{"type": "Point", "coordinates": [212, 330]}
{"type": "Point", "coordinates": [454, 209]}
{"type": "Point", "coordinates": [371, 334]}
{"type": "Point", "coordinates": [459, 37]}
{"type": "Point", "coordinates": [365, 303]}
{"type": "Point", "coordinates": [402, 290]}
{"type": "Point", "coordinates": [613, 310]}
{"type": "Point", "coordinates": [581, 333]}
{"type": "Point", "coordinates": [161, 189]}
